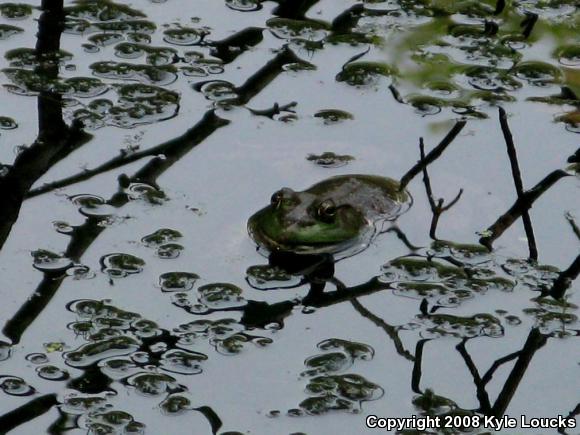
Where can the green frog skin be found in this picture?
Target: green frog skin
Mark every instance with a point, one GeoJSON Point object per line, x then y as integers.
{"type": "Point", "coordinates": [328, 217]}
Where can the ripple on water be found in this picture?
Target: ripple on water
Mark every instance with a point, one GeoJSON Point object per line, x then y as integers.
{"type": "Point", "coordinates": [221, 296]}
{"type": "Point", "coordinates": [6, 31]}
{"type": "Point", "coordinates": [176, 404]}
{"type": "Point", "coordinates": [92, 206]}
{"type": "Point", "coordinates": [37, 358]}
{"type": "Point", "coordinates": [329, 159]}
{"type": "Point", "coordinates": [52, 373]}
{"type": "Point", "coordinates": [152, 384]}
{"type": "Point", "coordinates": [330, 391]}
{"type": "Point", "coordinates": [113, 422]}
{"type": "Point", "coordinates": [339, 393]}
{"type": "Point", "coordinates": [177, 281]}
{"type": "Point", "coordinates": [161, 237]}
{"type": "Point", "coordinates": [49, 262]}
{"type": "Point", "coordinates": [91, 353]}
{"type": "Point", "coordinates": [266, 277]}
{"type": "Point", "coordinates": [182, 361]}
{"type": "Point", "coordinates": [15, 386]}
{"type": "Point", "coordinates": [244, 5]}
{"type": "Point", "coordinates": [145, 74]}
{"type": "Point", "coordinates": [119, 265]}
{"type": "Point", "coordinates": [15, 11]}
{"type": "Point", "coordinates": [184, 36]}
{"type": "Point", "coordinates": [219, 91]}
{"type": "Point", "coordinates": [146, 192]}
{"type": "Point", "coordinates": [7, 123]}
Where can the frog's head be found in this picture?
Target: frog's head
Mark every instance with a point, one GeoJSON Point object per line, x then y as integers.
{"type": "Point", "coordinates": [303, 222]}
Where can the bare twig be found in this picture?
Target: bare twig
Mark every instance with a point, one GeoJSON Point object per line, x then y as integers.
{"type": "Point", "coordinates": [534, 342]}
{"type": "Point", "coordinates": [520, 205]}
{"type": "Point", "coordinates": [437, 208]}
{"type": "Point", "coordinates": [565, 279]}
{"type": "Point", "coordinates": [433, 155]}
{"type": "Point", "coordinates": [517, 176]}
{"type": "Point", "coordinates": [391, 330]}
{"type": "Point", "coordinates": [572, 223]}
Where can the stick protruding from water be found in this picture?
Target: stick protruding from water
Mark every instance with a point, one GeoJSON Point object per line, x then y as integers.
{"type": "Point", "coordinates": [433, 155]}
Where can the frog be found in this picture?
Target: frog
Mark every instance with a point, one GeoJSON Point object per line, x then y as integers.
{"type": "Point", "coordinates": [333, 215]}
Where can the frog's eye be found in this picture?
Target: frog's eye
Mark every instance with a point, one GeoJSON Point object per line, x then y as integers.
{"type": "Point", "coordinates": [277, 198]}
{"type": "Point", "coordinates": [326, 210]}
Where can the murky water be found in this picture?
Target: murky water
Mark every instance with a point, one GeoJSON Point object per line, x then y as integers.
{"type": "Point", "coordinates": [137, 138]}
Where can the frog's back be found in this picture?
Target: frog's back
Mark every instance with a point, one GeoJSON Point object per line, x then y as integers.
{"type": "Point", "coordinates": [378, 197]}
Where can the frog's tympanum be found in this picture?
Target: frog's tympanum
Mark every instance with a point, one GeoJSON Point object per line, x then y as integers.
{"type": "Point", "coordinates": [329, 217]}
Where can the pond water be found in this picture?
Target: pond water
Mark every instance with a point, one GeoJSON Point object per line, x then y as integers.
{"type": "Point", "coordinates": [137, 139]}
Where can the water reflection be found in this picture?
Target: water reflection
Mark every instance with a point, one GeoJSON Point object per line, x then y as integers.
{"type": "Point", "coordinates": [121, 349]}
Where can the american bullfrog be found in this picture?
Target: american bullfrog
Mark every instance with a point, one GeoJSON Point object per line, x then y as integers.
{"type": "Point", "coordinates": [330, 216]}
